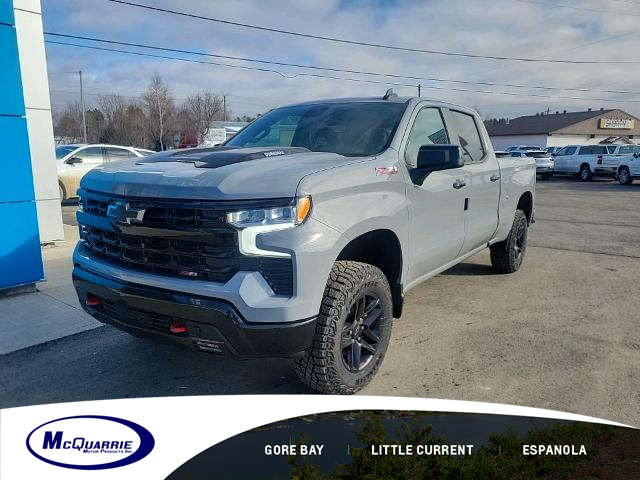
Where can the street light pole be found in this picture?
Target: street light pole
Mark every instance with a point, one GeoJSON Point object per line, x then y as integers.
{"type": "Point", "coordinates": [84, 120]}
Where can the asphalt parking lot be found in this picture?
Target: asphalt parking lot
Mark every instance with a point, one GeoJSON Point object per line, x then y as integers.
{"type": "Point", "coordinates": [560, 334]}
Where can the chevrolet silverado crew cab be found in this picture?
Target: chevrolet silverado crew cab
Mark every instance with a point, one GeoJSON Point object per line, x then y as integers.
{"type": "Point", "coordinates": [300, 236]}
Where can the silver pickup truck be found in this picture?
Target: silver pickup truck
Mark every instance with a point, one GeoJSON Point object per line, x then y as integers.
{"type": "Point", "coordinates": [301, 235]}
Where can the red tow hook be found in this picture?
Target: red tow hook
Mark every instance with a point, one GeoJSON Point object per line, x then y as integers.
{"type": "Point", "coordinates": [178, 327]}
{"type": "Point", "coordinates": [93, 300]}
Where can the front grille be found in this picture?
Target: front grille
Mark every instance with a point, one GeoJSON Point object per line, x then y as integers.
{"type": "Point", "coordinates": [164, 216]}
{"type": "Point", "coordinates": [172, 250]}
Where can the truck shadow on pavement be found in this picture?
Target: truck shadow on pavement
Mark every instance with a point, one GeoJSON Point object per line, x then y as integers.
{"type": "Point", "coordinates": [470, 270]}
{"type": "Point", "coordinates": [105, 363]}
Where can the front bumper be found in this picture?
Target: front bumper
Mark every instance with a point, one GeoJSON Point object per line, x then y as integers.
{"type": "Point", "coordinates": [212, 325]}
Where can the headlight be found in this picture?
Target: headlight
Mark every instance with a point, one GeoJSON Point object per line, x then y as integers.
{"type": "Point", "coordinates": [285, 216]}
{"type": "Point", "coordinates": [251, 223]}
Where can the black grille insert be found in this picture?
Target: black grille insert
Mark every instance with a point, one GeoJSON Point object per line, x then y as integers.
{"type": "Point", "coordinates": [171, 250]}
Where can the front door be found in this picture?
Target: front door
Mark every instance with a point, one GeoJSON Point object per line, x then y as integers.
{"type": "Point", "coordinates": [90, 157]}
{"type": "Point", "coordinates": [436, 210]}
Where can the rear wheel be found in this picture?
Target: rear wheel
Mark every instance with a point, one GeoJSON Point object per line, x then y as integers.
{"type": "Point", "coordinates": [507, 256]}
{"type": "Point", "coordinates": [585, 173]}
{"type": "Point", "coordinates": [352, 330]}
{"type": "Point", "coordinates": [624, 176]}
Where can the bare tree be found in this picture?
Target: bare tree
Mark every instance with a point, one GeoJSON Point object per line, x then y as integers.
{"type": "Point", "coordinates": [160, 109]}
{"type": "Point", "coordinates": [69, 124]}
{"type": "Point", "coordinates": [199, 111]}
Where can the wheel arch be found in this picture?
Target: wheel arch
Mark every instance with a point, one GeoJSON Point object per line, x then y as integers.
{"type": "Point", "coordinates": [381, 248]}
{"type": "Point", "coordinates": [525, 203]}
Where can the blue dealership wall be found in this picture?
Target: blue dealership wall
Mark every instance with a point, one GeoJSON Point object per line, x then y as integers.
{"type": "Point", "coordinates": [20, 254]}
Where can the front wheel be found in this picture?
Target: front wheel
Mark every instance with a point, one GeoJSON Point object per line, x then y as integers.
{"type": "Point", "coordinates": [62, 192]}
{"type": "Point", "coordinates": [624, 176]}
{"type": "Point", "coordinates": [507, 256]}
{"type": "Point", "coordinates": [352, 331]}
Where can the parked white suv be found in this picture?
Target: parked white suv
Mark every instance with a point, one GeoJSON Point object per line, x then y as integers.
{"type": "Point", "coordinates": [583, 161]}
{"type": "Point", "coordinates": [77, 159]}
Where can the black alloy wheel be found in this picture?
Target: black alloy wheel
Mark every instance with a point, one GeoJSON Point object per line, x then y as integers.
{"type": "Point", "coordinates": [361, 332]}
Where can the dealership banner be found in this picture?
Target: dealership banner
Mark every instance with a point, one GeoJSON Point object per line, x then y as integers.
{"type": "Point", "coordinates": [264, 437]}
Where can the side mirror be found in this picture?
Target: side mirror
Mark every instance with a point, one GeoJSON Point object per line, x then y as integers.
{"type": "Point", "coordinates": [73, 160]}
{"type": "Point", "coordinates": [432, 158]}
{"type": "Point", "coordinates": [636, 154]}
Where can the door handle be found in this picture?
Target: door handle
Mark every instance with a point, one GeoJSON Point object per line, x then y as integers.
{"type": "Point", "coordinates": [495, 177]}
{"type": "Point", "coordinates": [458, 184]}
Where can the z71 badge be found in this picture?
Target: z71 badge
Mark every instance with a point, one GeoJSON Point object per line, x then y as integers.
{"type": "Point", "coordinates": [386, 171]}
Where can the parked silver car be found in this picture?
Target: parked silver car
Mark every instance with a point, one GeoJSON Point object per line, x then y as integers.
{"type": "Point", "coordinates": [77, 159]}
{"type": "Point", "coordinates": [544, 161]}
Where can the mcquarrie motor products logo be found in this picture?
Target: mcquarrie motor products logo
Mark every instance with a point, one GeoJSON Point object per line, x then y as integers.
{"type": "Point", "coordinates": [90, 442]}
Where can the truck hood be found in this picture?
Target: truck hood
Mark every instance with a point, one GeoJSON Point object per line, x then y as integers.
{"type": "Point", "coordinates": [218, 173]}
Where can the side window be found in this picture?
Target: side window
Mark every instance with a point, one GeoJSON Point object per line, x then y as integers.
{"type": "Point", "coordinates": [626, 149]}
{"type": "Point", "coordinates": [114, 154]}
{"type": "Point", "coordinates": [468, 137]}
{"type": "Point", "coordinates": [428, 129]}
{"type": "Point", "coordinates": [91, 155]}
{"type": "Point", "coordinates": [599, 150]}
{"type": "Point", "coordinates": [567, 151]}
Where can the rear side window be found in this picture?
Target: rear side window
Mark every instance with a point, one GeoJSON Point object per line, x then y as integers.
{"type": "Point", "coordinates": [114, 154]}
{"type": "Point", "coordinates": [593, 150]}
{"type": "Point", "coordinates": [428, 129]}
{"type": "Point", "coordinates": [467, 136]}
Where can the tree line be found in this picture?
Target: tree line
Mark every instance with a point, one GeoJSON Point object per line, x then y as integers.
{"type": "Point", "coordinates": [153, 121]}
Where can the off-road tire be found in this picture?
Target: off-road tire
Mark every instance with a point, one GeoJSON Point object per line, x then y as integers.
{"type": "Point", "coordinates": [546, 176]}
{"type": "Point", "coordinates": [585, 175]}
{"type": "Point", "coordinates": [504, 255]}
{"type": "Point", "coordinates": [322, 367]}
{"type": "Point", "coordinates": [624, 176]}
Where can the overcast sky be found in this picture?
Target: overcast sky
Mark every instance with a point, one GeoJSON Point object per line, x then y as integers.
{"type": "Point", "coordinates": [515, 28]}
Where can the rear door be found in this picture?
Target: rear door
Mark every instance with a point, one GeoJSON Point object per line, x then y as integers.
{"type": "Point", "coordinates": [481, 194]}
{"type": "Point", "coordinates": [436, 209]}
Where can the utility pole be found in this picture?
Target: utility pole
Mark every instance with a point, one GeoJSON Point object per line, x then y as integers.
{"type": "Point", "coordinates": [84, 120]}
{"type": "Point", "coordinates": [224, 107]}
{"type": "Point", "coordinates": [419, 86]}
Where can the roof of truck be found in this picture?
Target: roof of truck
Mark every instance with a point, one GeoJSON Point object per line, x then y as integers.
{"type": "Point", "coordinates": [394, 99]}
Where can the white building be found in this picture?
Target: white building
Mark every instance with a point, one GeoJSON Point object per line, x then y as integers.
{"type": "Point", "coordinates": [566, 128]}
{"type": "Point", "coordinates": [221, 131]}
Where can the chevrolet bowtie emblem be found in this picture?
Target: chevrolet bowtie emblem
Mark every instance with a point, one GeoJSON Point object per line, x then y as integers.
{"type": "Point", "coordinates": [123, 213]}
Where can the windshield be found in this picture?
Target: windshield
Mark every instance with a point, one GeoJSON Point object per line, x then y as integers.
{"type": "Point", "coordinates": [350, 129]}
{"type": "Point", "coordinates": [64, 150]}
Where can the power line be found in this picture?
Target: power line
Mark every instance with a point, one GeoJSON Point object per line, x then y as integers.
{"type": "Point", "coordinates": [350, 79]}
{"type": "Point", "coordinates": [362, 43]}
{"type": "Point", "coordinates": [574, 7]}
{"type": "Point", "coordinates": [339, 70]}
